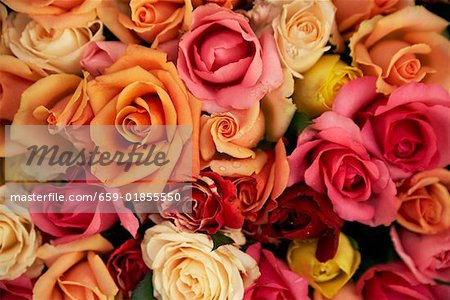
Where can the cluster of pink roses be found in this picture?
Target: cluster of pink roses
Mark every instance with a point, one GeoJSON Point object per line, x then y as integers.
{"type": "Point", "coordinates": [290, 148]}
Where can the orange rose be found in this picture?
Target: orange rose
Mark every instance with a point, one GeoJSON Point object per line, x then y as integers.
{"type": "Point", "coordinates": [234, 133]}
{"type": "Point", "coordinates": [225, 3]}
{"type": "Point", "coordinates": [141, 88]}
{"type": "Point", "coordinates": [425, 202]}
{"type": "Point", "coordinates": [3, 15]}
{"type": "Point", "coordinates": [403, 47]}
{"type": "Point", "coordinates": [154, 21]}
{"type": "Point", "coordinates": [57, 13]}
{"type": "Point", "coordinates": [15, 77]}
{"type": "Point", "coordinates": [349, 14]}
{"type": "Point", "coordinates": [76, 271]}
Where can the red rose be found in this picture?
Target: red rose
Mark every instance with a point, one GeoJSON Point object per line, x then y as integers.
{"type": "Point", "coordinates": [302, 214]}
{"type": "Point", "coordinates": [17, 289]}
{"type": "Point", "coordinates": [213, 206]}
{"type": "Point", "coordinates": [127, 266]}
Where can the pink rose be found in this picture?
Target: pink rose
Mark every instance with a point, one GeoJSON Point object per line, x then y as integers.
{"type": "Point", "coordinates": [409, 130]}
{"type": "Point", "coordinates": [223, 62]}
{"type": "Point", "coordinates": [331, 159]}
{"type": "Point", "coordinates": [70, 220]}
{"type": "Point", "coordinates": [394, 281]}
{"type": "Point", "coordinates": [17, 289]}
{"type": "Point", "coordinates": [100, 55]}
{"type": "Point", "coordinates": [276, 280]}
{"type": "Point", "coordinates": [427, 256]}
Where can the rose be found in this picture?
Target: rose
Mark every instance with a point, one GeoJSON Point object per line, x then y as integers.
{"type": "Point", "coordinates": [19, 243]}
{"type": "Point", "coordinates": [57, 14]}
{"type": "Point", "coordinates": [68, 221]}
{"type": "Point", "coordinates": [52, 50]}
{"type": "Point", "coordinates": [403, 47]}
{"type": "Point", "coordinates": [350, 14]}
{"type": "Point", "coordinates": [276, 280]}
{"type": "Point", "coordinates": [184, 267]}
{"type": "Point", "coordinates": [327, 277]}
{"type": "Point", "coordinates": [257, 193]}
{"type": "Point", "coordinates": [221, 59]}
{"type": "Point", "coordinates": [3, 16]}
{"type": "Point", "coordinates": [427, 256]}
{"type": "Point", "coordinates": [100, 55]}
{"type": "Point", "coordinates": [15, 77]}
{"type": "Point", "coordinates": [152, 21]}
{"type": "Point", "coordinates": [124, 261]}
{"type": "Point", "coordinates": [17, 289]}
{"type": "Point", "coordinates": [65, 102]}
{"type": "Point", "coordinates": [315, 92]}
{"type": "Point", "coordinates": [425, 202]}
{"type": "Point", "coordinates": [140, 89]}
{"type": "Point", "coordinates": [234, 133]}
{"type": "Point", "coordinates": [301, 213]}
{"type": "Point", "coordinates": [330, 158]}
{"type": "Point", "coordinates": [302, 31]}
{"type": "Point", "coordinates": [212, 199]}
{"type": "Point", "coordinates": [225, 3]}
{"type": "Point", "coordinates": [75, 270]}
{"type": "Point", "coordinates": [347, 292]}
{"type": "Point", "coordinates": [394, 281]}
{"type": "Point", "coordinates": [408, 130]}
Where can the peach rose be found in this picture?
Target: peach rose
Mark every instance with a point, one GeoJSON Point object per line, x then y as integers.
{"type": "Point", "coordinates": [57, 13]}
{"type": "Point", "coordinates": [403, 47]}
{"type": "Point", "coordinates": [141, 88]}
{"type": "Point", "coordinates": [3, 16]}
{"type": "Point", "coordinates": [76, 271]}
{"type": "Point", "coordinates": [302, 31]}
{"type": "Point", "coordinates": [234, 133]}
{"type": "Point", "coordinates": [154, 21]}
{"type": "Point", "coordinates": [349, 14]}
{"type": "Point", "coordinates": [18, 244]}
{"type": "Point", "coordinates": [15, 77]}
{"type": "Point", "coordinates": [257, 193]}
{"type": "Point", "coordinates": [55, 50]}
{"type": "Point", "coordinates": [425, 202]}
{"type": "Point", "coordinates": [184, 267]}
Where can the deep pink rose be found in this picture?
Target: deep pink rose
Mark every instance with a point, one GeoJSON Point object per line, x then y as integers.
{"type": "Point", "coordinates": [427, 256]}
{"type": "Point", "coordinates": [17, 289]}
{"type": "Point", "coordinates": [409, 130]}
{"type": "Point", "coordinates": [330, 158]}
{"type": "Point", "coordinates": [213, 206]}
{"type": "Point", "coordinates": [100, 55]}
{"type": "Point", "coordinates": [276, 280]}
{"type": "Point", "coordinates": [224, 63]}
{"type": "Point", "coordinates": [394, 281]}
{"type": "Point", "coordinates": [70, 220]}
{"type": "Point", "coordinates": [127, 266]}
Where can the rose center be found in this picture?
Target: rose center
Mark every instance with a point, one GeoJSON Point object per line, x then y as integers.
{"type": "Point", "coordinates": [430, 210]}
{"type": "Point", "coordinates": [326, 271]}
{"type": "Point", "coordinates": [304, 26]}
{"type": "Point", "coordinates": [405, 148]}
{"type": "Point", "coordinates": [409, 68]}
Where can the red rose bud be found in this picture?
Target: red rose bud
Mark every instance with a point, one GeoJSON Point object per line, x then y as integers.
{"type": "Point", "coordinates": [302, 214]}
{"type": "Point", "coordinates": [127, 266]}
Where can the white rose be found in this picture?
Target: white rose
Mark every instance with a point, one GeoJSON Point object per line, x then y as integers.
{"type": "Point", "coordinates": [53, 50]}
{"type": "Point", "coordinates": [184, 267]}
{"type": "Point", "coordinates": [302, 31]}
{"type": "Point", "coordinates": [19, 242]}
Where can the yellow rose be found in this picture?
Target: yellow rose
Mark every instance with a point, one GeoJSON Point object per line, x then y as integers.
{"type": "Point", "coordinates": [184, 267]}
{"type": "Point", "coordinates": [76, 271]}
{"type": "Point", "coordinates": [328, 277]}
{"type": "Point", "coordinates": [49, 50]}
{"type": "Point", "coordinates": [19, 241]}
{"type": "Point", "coordinates": [302, 31]}
{"type": "Point", "coordinates": [315, 93]}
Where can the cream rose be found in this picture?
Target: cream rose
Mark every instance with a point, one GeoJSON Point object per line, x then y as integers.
{"type": "Point", "coordinates": [19, 241]}
{"type": "Point", "coordinates": [53, 50]}
{"type": "Point", "coordinates": [302, 31]}
{"type": "Point", "coordinates": [184, 267]}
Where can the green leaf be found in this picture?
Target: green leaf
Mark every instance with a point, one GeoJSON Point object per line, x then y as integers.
{"type": "Point", "coordinates": [298, 123]}
{"type": "Point", "coordinates": [144, 290]}
{"type": "Point", "coordinates": [220, 239]}
{"type": "Point", "coordinates": [442, 282]}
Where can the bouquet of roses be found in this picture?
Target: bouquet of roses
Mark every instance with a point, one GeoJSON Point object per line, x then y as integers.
{"type": "Point", "coordinates": [300, 149]}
